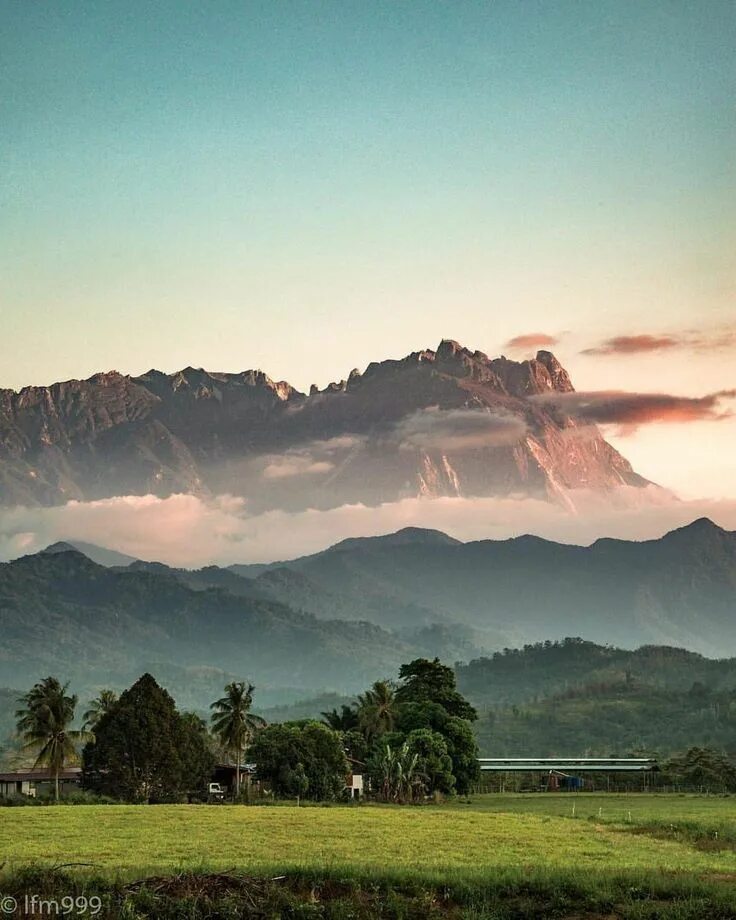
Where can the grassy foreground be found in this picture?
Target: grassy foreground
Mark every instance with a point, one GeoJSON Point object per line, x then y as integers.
{"type": "Point", "coordinates": [499, 856]}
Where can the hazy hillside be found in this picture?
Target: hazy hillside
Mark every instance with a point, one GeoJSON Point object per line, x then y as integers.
{"type": "Point", "coordinates": [550, 668]}
{"type": "Point", "coordinates": [676, 590]}
{"type": "Point", "coordinates": [576, 698]}
{"type": "Point", "coordinates": [61, 613]}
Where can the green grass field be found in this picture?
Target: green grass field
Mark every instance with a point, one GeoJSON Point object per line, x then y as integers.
{"type": "Point", "coordinates": [651, 841]}
{"type": "Point", "coordinates": [489, 832]}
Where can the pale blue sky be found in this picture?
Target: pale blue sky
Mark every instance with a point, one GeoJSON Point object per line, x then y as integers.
{"type": "Point", "coordinates": [309, 186]}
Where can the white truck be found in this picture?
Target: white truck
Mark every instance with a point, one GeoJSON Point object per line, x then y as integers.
{"type": "Point", "coordinates": [215, 792]}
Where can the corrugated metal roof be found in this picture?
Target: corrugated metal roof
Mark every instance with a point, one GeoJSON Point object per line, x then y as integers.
{"type": "Point", "coordinates": [568, 765]}
{"type": "Point", "coordinates": [39, 776]}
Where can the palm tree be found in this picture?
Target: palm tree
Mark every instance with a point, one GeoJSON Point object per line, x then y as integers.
{"type": "Point", "coordinates": [234, 723]}
{"type": "Point", "coordinates": [377, 709]}
{"type": "Point", "coordinates": [98, 707]}
{"type": "Point", "coordinates": [44, 723]}
{"type": "Point", "coordinates": [345, 720]}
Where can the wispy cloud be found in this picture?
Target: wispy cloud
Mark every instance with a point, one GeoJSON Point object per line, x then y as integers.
{"type": "Point", "coordinates": [458, 429]}
{"type": "Point", "coordinates": [291, 465]}
{"type": "Point", "coordinates": [313, 458]}
{"type": "Point", "coordinates": [643, 343]}
{"type": "Point", "coordinates": [531, 340]}
{"type": "Point", "coordinates": [633, 345]}
{"type": "Point", "coordinates": [630, 410]}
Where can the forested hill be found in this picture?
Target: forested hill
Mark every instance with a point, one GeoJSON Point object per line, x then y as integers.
{"type": "Point", "coordinates": [602, 720]}
{"type": "Point", "coordinates": [62, 614]}
{"type": "Point", "coordinates": [576, 698]}
{"type": "Point", "coordinates": [552, 668]}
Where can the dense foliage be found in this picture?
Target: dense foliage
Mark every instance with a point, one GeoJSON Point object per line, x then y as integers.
{"type": "Point", "coordinates": [416, 738]}
{"type": "Point", "coordinates": [301, 760]}
{"type": "Point", "coordinates": [145, 750]}
{"type": "Point", "coordinates": [702, 768]}
{"type": "Point", "coordinates": [576, 698]}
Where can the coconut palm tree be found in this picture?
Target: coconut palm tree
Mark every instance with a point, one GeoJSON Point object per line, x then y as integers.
{"type": "Point", "coordinates": [98, 707]}
{"type": "Point", "coordinates": [233, 723]}
{"type": "Point", "coordinates": [44, 725]}
{"type": "Point", "coordinates": [377, 709]}
{"type": "Point", "coordinates": [345, 720]}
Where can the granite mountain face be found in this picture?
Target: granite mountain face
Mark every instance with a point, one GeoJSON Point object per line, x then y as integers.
{"type": "Point", "coordinates": [437, 423]}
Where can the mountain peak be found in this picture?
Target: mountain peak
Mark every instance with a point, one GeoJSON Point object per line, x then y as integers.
{"type": "Point", "coordinates": [407, 535]}
{"type": "Point", "coordinates": [61, 546]}
{"type": "Point", "coordinates": [441, 423]}
{"type": "Point", "coordinates": [701, 526]}
{"type": "Point", "coordinates": [98, 554]}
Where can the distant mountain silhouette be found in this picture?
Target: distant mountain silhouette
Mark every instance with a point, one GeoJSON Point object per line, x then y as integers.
{"type": "Point", "coordinates": [61, 613]}
{"type": "Point", "coordinates": [676, 590]}
{"type": "Point", "coordinates": [99, 554]}
{"type": "Point", "coordinates": [353, 613]}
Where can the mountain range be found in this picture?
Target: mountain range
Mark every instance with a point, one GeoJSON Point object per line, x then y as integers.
{"type": "Point", "coordinates": [442, 422]}
{"type": "Point", "coordinates": [351, 614]}
{"type": "Point", "coordinates": [678, 590]}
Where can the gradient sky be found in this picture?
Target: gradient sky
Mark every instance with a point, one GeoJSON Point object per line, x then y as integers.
{"type": "Point", "coordinates": [308, 186]}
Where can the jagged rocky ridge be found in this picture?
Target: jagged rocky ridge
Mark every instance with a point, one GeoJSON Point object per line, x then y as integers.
{"type": "Point", "coordinates": [444, 422]}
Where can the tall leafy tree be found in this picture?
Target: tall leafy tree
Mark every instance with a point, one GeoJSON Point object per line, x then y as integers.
{"type": "Point", "coordinates": [429, 699]}
{"type": "Point", "coordinates": [234, 724]}
{"type": "Point", "coordinates": [44, 723]}
{"type": "Point", "coordinates": [145, 750]}
{"type": "Point", "coordinates": [304, 758]}
{"type": "Point", "coordinates": [98, 707]}
{"type": "Point", "coordinates": [425, 681]}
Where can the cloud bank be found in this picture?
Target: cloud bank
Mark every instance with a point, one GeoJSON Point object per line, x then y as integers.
{"type": "Point", "coordinates": [184, 530]}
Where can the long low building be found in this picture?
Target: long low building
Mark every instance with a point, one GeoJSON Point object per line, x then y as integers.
{"type": "Point", "coordinates": [39, 782]}
{"type": "Point", "coordinates": [568, 765]}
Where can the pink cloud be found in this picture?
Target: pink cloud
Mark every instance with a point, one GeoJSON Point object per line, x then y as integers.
{"type": "Point", "coordinates": [531, 340]}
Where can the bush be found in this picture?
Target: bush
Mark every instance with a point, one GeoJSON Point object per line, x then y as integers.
{"type": "Point", "coordinates": [77, 797]}
{"type": "Point", "coordinates": [301, 760]}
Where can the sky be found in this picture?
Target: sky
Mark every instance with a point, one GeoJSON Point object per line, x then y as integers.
{"type": "Point", "coordinates": [306, 187]}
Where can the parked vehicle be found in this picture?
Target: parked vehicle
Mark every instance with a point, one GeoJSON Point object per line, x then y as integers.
{"type": "Point", "coordinates": [215, 792]}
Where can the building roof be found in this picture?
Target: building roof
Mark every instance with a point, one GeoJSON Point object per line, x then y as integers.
{"type": "Point", "coordinates": [39, 775]}
{"type": "Point", "coordinates": [568, 764]}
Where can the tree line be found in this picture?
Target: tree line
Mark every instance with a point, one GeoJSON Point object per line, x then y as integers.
{"type": "Point", "coordinates": [411, 738]}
